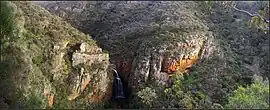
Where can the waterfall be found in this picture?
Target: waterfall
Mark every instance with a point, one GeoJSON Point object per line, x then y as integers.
{"type": "Point", "coordinates": [118, 87]}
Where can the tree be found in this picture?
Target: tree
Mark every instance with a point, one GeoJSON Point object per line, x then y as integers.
{"type": "Point", "coordinates": [6, 24]}
{"type": "Point", "coordinates": [255, 96]}
{"type": "Point", "coordinates": [258, 19]}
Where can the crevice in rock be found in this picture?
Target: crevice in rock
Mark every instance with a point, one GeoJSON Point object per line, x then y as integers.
{"type": "Point", "coordinates": [72, 49]}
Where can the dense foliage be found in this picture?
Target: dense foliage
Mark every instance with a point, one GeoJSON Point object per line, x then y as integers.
{"type": "Point", "coordinates": [235, 75]}
{"type": "Point", "coordinates": [30, 65]}
{"type": "Point", "coordinates": [213, 82]}
{"type": "Point", "coordinates": [255, 96]}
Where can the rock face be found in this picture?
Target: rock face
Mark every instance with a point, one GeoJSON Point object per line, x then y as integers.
{"type": "Point", "coordinates": [146, 40]}
{"type": "Point", "coordinates": [48, 63]}
{"type": "Point", "coordinates": [92, 64]}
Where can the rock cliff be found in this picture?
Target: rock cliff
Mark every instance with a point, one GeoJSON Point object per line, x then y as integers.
{"type": "Point", "coordinates": [147, 41]}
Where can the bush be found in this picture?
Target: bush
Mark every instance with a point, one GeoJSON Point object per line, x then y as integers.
{"type": "Point", "coordinates": [147, 95]}
{"type": "Point", "coordinates": [254, 96]}
{"type": "Point", "coordinates": [6, 24]}
{"type": "Point", "coordinates": [183, 94]}
{"type": "Point", "coordinates": [6, 21]}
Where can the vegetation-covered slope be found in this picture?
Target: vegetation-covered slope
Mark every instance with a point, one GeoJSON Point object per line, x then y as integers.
{"type": "Point", "coordinates": [127, 30]}
{"type": "Point", "coordinates": [47, 63]}
{"type": "Point", "coordinates": [143, 38]}
{"type": "Point", "coordinates": [153, 44]}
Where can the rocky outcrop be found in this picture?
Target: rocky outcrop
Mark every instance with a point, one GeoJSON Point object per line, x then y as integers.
{"type": "Point", "coordinates": [95, 64]}
{"type": "Point", "coordinates": [158, 63]}
{"type": "Point", "coordinates": [147, 40]}
{"type": "Point", "coordinates": [48, 63]}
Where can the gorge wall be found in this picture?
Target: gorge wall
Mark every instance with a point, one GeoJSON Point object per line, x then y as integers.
{"type": "Point", "coordinates": [146, 40]}
{"type": "Point", "coordinates": [169, 54]}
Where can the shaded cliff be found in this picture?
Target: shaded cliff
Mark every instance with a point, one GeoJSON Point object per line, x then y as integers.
{"type": "Point", "coordinates": [46, 63]}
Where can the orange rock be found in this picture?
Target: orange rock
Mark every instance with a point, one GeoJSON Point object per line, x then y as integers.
{"type": "Point", "coordinates": [166, 64]}
{"type": "Point", "coordinates": [173, 66]}
{"type": "Point", "coordinates": [86, 82]}
{"type": "Point", "coordinates": [95, 97]}
{"type": "Point", "coordinates": [51, 100]}
{"type": "Point", "coordinates": [182, 64]}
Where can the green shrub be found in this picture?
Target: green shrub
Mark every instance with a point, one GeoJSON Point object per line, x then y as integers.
{"type": "Point", "coordinates": [258, 21]}
{"type": "Point", "coordinates": [6, 21]}
{"type": "Point", "coordinates": [38, 60]}
{"type": "Point", "coordinates": [254, 96]}
{"type": "Point", "coordinates": [181, 94]}
{"type": "Point", "coordinates": [147, 95]}
{"type": "Point", "coordinates": [34, 102]}
{"type": "Point", "coordinates": [6, 24]}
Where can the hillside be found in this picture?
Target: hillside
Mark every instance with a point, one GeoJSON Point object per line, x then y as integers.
{"type": "Point", "coordinates": [47, 63]}
{"type": "Point", "coordinates": [169, 54]}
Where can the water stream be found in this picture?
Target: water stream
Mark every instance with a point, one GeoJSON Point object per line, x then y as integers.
{"type": "Point", "coordinates": [118, 87]}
